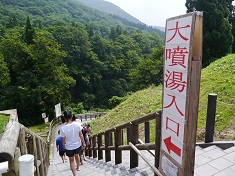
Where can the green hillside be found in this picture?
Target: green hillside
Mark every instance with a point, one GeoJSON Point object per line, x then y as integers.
{"type": "Point", "coordinates": [4, 119]}
{"type": "Point", "coordinates": [45, 13]}
{"type": "Point", "coordinates": [64, 51]}
{"type": "Point", "coordinates": [218, 78]}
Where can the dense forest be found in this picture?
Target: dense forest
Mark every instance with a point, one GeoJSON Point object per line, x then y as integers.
{"type": "Point", "coordinates": [65, 52]}
{"type": "Point", "coordinates": [62, 51]}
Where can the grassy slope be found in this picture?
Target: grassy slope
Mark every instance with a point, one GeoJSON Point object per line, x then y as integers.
{"type": "Point", "coordinates": [218, 78]}
{"type": "Point", "coordinates": [136, 105]}
{"type": "Point", "coordinates": [4, 119]}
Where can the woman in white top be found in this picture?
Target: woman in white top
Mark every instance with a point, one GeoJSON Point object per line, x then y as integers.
{"type": "Point", "coordinates": [71, 138]}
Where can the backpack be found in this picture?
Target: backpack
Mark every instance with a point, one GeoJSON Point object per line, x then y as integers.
{"type": "Point", "coordinates": [84, 131]}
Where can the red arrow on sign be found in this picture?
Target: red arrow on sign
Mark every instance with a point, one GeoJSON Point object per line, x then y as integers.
{"type": "Point", "coordinates": [170, 146]}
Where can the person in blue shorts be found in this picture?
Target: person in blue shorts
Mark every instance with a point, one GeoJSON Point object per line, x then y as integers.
{"type": "Point", "coordinates": [60, 148]}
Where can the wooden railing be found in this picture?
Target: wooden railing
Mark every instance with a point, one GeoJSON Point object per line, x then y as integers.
{"type": "Point", "coordinates": [115, 139]}
{"type": "Point", "coordinates": [89, 116]}
{"type": "Point", "coordinates": [18, 140]}
{"type": "Point", "coordinates": [52, 124]}
{"type": "Point", "coordinates": [156, 171]}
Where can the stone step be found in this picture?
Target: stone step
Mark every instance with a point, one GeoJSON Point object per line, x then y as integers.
{"type": "Point", "coordinates": [209, 161]}
{"type": "Point", "coordinates": [95, 167]}
{"type": "Point", "coordinates": [214, 161]}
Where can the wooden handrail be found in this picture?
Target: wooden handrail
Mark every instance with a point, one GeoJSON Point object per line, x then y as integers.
{"type": "Point", "coordinates": [113, 140]}
{"type": "Point", "coordinates": [50, 129]}
{"type": "Point", "coordinates": [17, 140]}
{"type": "Point", "coordinates": [156, 171]}
{"type": "Point", "coordinates": [8, 141]}
{"type": "Point", "coordinates": [137, 121]}
{"type": "Point", "coordinates": [149, 150]}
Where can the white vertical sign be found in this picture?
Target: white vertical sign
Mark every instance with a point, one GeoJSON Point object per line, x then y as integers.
{"type": "Point", "coordinates": [176, 60]}
{"type": "Point", "coordinates": [58, 110]}
{"type": "Point", "coordinates": [43, 115]}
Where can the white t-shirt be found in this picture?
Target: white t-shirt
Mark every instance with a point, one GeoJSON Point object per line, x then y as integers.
{"type": "Point", "coordinates": [71, 134]}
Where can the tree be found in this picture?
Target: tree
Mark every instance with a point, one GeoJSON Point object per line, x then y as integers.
{"type": "Point", "coordinates": [5, 75]}
{"type": "Point", "coordinates": [232, 21]}
{"type": "Point", "coordinates": [12, 22]}
{"type": "Point", "coordinates": [82, 62]}
{"type": "Point", "coordinates": [217, 36]}
{"type": "Point", "coordinates": [149, 71]}
{"type": "Point", "coordinates": [39, 79]}
{"type": "Point", "coordinates": [29, 32]}
{"type": "Point", "coordinates": [119, 30]}
{"type": "Point", "coordinates": [113, 34]}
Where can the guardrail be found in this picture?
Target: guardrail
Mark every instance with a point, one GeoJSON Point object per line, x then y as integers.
{"type": "Point", "coordinates": [52, 124]}
{"type": "Point", "coordinates": [114, 139]}
{"type": "Point", "coordinates": [156, 171]}
{"type": "Point", "coordinates": [89, 115]}
{"type": "Point", "coordinates": [18, 140]}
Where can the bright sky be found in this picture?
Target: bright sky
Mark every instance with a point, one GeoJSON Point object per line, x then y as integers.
{"type": "Point", "coordinates": [152, 12]}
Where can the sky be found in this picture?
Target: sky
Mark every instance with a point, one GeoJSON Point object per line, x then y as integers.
{"type": "Point", "coordinates": [152, 12]}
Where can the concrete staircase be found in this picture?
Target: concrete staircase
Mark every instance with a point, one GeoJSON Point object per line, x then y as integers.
{"type": "Point", "coordinates": [101, 168]}
{"type": "Point", "coordinates": [209, 161]}
{"type": "Point", "coordinates": [214, 161]}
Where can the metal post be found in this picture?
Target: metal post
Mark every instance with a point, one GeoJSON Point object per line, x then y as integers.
{"type": "Point", "coordinates": [210, 119]}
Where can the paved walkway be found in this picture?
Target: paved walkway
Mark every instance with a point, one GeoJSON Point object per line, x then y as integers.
{"type": "Point", "coordinates": [93, 167]}
{"type": "Point", "coordinates": [210, 161]}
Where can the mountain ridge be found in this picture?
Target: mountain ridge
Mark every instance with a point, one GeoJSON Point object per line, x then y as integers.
{"type": "Point", "coordinates": [47, 13]}
{"type": "Point", "coordinates": [113, 9]}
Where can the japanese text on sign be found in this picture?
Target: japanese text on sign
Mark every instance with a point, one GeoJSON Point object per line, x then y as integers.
{"type": "Point", "coordinates": [177, 45]}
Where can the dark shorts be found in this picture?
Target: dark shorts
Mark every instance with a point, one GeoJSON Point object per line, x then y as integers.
{"type": "Point", "coordinates": [61, 153]}
{"type": "Point", "coordinates": [71, 153]}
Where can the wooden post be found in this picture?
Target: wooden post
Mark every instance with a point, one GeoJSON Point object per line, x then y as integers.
{"type": "Point", "coordinates": [21, 141]}
{"type": "Point", "coordinates": [194, 90]}
{"type": "Point", "coordinates": [89, 147]}
{"type": "Point", "coordinates": [128, 133]}
{"type": "Point", "coordinates": [210, 118]}
{"type": "Point", "coordinates": [35, 155]}
{"type": "Point", "coordinates": [39, 151]}
{"type": "Point", "coordinates": [111, 139]}
{"type": "Point", "coordinates": [107, 152]}
{"type": "Point", "coordinates": [147, 132]}
{"type": "Point", "coordinates": [118, 141]}
{"type": "Point", "coordinates": [100, 151]}
{"type": "Point", "coordinates": [8, 141]}
{"type": "Point", "coordinates": [134, 160]}
{"type": "Point", "coordinates": [16, 161]}
{"type": "Point", "coordinates": [157, 139]}
{"type": "Point", "coordinates": [122, 141]}
{"type": "Point", "coordinates": [93, 146]}
{"type": "Point", "coordinates": [44, 156]}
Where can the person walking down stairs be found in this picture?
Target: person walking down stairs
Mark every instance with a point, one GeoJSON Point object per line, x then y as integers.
{"type": "Point", "coordinates": [60, 148]}
{"type": "Point", "coordinates": [88, 129]}
{"type": "Point", "coordinates": [72, 140]}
